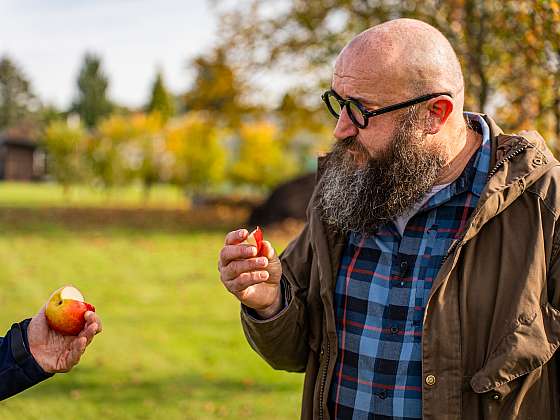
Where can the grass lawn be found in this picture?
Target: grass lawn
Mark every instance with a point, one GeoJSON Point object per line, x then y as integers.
{"type": "Point", "coordinates": [172, 345]}
{"type": "Point", "coordinates": [52, 194]}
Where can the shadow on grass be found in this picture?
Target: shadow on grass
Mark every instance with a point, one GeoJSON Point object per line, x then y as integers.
{"type": "Point", "coordinates": [166, 388]}
{"type": "Point", "coordinates": [54, 220]}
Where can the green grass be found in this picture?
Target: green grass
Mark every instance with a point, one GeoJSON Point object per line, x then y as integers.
{"type": "Point", "coordinates": [53, 195]}
{"type": "Point", "coordinates": [172, 345]}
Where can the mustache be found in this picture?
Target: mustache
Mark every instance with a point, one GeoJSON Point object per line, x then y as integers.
{"type": "Point", "coordinates": [351, 150]}
{"type": "Point", "coordinates": [349, 143]}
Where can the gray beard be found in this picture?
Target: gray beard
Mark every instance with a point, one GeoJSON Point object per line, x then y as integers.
{"type": "Point", "coordinates": [362, 198]}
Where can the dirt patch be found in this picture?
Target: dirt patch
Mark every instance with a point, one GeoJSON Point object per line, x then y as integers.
{"type": "Point", "coordinates": [79, 218]}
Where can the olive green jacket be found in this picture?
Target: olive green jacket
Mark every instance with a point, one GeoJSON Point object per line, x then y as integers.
{"type": "Point", "coordinates": [492, 322]}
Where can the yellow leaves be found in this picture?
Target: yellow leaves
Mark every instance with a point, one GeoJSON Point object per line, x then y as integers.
{"type": "Point", "coordinates": [59, 135]}
{"type": "Point", "coordinates": [555, 9]}
{"type": "Point", "coordinates": [261, 159]}
{"type": "Point", "coordinates": [126, 127]}
{"type": "Point", "coordinates": [530, 38]}
{"type": "Point", "coordinates": [64, 142]}
{"type": "Point", "coordinates": [200, 159]}
{"type": "Point", "coordinates": [192, 150]}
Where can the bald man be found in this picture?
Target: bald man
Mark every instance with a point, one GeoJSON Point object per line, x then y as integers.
{"type": "Point", "coordinates": [425, 283]}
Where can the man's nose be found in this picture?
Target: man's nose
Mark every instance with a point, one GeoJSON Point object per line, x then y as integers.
{"type": "Point", "coordinates": [344, 127]}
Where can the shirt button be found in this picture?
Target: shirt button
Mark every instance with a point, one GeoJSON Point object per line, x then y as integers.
{"type": "Point", "coordinates": [394, 330]}
{"type": "Point", "coordinates": [382, 394]}
{"type": "Point", "coordinates": [496, 396]}
{"type": "Point", "coordinates": [430, 380]}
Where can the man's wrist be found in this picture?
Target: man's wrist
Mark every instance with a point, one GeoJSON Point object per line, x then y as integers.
{"type": "Point", "coordinates": [273, 309]}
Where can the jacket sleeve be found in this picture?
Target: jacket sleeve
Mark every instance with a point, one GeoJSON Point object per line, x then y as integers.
{"type": "Point", "coordinates": [18, 368]}
{"type": "Point", "coordinates": [282, 339]}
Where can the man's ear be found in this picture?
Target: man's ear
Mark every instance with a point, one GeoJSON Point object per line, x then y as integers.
{"type": "Point", "coordinates": [439, 109]}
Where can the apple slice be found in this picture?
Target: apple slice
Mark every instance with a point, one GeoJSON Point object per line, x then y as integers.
{"type": "Point", "coordinates": [65, 311]}
{"type": "Point", "coordinates": [255, 238]}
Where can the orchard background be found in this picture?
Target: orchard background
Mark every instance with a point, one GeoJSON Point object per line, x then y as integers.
{"type": "Point", "coordinates": [130, 201]}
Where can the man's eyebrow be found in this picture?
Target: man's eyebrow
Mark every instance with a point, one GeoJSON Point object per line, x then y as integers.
{"type": "Point", "coordinates": [362, 100]}
{"type": "Point", "coordinates": [365, 101]}
{"type": "Point", "coordinates": [359, 99]}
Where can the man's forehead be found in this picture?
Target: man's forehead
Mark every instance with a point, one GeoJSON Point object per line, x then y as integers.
{"type": "Point", "coordinates": [360, 83]}
{"type": "Point", "coordinates": [351, 64]}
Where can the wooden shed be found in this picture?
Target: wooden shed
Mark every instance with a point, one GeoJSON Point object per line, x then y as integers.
{"type": "Point", "coordinates": [21, 159]}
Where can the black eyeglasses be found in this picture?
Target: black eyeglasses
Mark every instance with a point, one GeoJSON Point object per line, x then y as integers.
{"type": "Point", "coordinates": [359, 114]}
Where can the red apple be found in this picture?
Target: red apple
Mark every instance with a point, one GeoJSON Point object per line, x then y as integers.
{"type": "Point", "coordinates": [65, 311]}
{"type": "Point", "coordinates": [255, 238]}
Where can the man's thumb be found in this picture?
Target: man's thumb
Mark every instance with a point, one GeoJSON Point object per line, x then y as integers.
{"type": "Point", "coordinates": [268, 251]}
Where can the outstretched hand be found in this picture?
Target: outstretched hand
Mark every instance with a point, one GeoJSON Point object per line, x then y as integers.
{"type": "Point", "coordinates": [55, 352]}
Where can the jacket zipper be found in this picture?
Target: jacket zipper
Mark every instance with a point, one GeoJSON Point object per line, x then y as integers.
{"type": "Point", "coordinates": [450, 250]}
{"type": "Point", "coordinates": [505, 159]}
{"type": "Point", "coordinates": [492, 172]}
{"type": "Point", "coordinates": [324, 379]}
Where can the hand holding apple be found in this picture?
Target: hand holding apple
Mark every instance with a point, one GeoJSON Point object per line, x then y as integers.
{"type": "Point", "coordinates": [65, 311]}
{"type": "Point", "coordinates": [59, 334]}
{"type": "Point", "coordinates": [251, 270]}
{"type": "Point", "coordinates": [255, 238]}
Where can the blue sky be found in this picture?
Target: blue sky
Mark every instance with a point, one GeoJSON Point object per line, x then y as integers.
{"type": "Point", "coordinates": [48, 39]}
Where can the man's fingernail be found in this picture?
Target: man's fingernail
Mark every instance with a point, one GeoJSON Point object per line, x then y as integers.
{"type": "Point", "coordinates": [261, 261]}
{"type": "Point", "coordinates": [241, 234]}
{"type": "Point", "coordinates": [263, 275]}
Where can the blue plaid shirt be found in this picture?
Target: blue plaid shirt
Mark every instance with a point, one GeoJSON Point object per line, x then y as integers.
{"type": "Point", "coordinates": [382, 288]}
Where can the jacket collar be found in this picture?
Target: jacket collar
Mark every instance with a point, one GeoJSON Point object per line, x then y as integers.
{"type": "Point", "coordinates": [518, 161]}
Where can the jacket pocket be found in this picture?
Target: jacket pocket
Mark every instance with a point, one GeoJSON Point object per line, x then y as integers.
{"type": "Point", "coordinates": [533, 341]}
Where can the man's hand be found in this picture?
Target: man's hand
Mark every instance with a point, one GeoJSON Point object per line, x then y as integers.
{"type": "Point", "coordinates": [55, 352]}
{"type": "Point", "coordinates": [254, 281]}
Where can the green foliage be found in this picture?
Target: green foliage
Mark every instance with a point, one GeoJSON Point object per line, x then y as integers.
{"type": "Point", "coordinates": [216, 89]}
{"type": "Point", "coordinates": [92, 103]}
{"type": "Point", "coordinates": [103, 151]}
{"type": "Point", "coordinates": [16, 99]}
{"type": "Point", "coordinates": [63, 143]}
{"type": "Point", "coordinates": [199, 157]}
{"type": "Point", "coordinates": [161, 100]}
{"type": "Point", "coordinates": [145, 154]}
{"type": "Point", "coordinates": [261, 160]}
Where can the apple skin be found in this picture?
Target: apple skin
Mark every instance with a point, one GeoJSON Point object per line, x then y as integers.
{"type": "Point", "coordinates": [66, 316]}
{"type": "Point", "coordinates": [255, 238]}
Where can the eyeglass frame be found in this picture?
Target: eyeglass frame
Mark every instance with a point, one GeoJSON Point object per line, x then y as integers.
{"type": "Point", "coordinates": [366, 114]}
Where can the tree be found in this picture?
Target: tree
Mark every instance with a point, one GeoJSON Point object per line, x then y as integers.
{"type": "Point", "coordinates": [491, 38]}
{"type": "Point", "coordinates": [16, 99]}
{"type": "Point", "coordinates": [92, 103]}
{"type": "Point", "coordinates": [161, 100]}
{"type": "Point", "coordinates": [144, 152]}
{"type": "Point", "coordinates": [305, 131]}
{"type": "Point", "coordinates": [104, 151]}
{"type": "Point", "coordinates": [199, 156]}
{"type": "Point", "coordinates": [64, 143]}
{"type": "Point", "coordinates": [216, 89]}
{"type": "Point", "coordinates": [261, 160]}
{"type": "Point", "coordinates": [533, 100]}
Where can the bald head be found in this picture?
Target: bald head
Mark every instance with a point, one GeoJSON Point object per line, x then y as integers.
{"type": "Point", "coordinates": [403, 58]}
